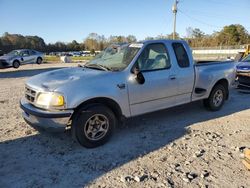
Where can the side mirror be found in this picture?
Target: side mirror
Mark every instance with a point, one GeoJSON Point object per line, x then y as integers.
{"type": "Point", "coordinates": [139, 76]}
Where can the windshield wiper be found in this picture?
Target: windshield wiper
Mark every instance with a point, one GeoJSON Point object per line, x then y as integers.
{"type": "Point", "coordinates": [98, 66]}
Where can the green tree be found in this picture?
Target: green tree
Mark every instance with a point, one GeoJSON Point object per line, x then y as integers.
{"type": "Point", "coordinates": [149, 38]}
{"type": "Point", "coordinates": [73, 46]}
{"type": "Point", "coordinates": [197, 33]}
{"type": "Point", "coordinates": [131, 38]}
{"type": "Point", "coordinates": [92, 51]}
{"type": "Point", "coordinates": [232, 35]}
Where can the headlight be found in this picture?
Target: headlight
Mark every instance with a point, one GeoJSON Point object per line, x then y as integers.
{"type": "Point", "coordinates": [50, 100]}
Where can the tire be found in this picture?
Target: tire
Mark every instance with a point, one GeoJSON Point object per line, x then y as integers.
{"type": "Point", "coordinates": [93, 126]}
{"type": "Point", "coordinates": [216, 98]}
{"type": "Point", "coordinates": [39, 60]}
{"type": "Point", "coordinates": [16, 64]}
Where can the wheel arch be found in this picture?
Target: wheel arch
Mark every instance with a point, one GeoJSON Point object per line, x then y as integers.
{"type": "Point", "coordinates": [224, 82]}
{"type": "Point", "coordinates": [16, 60]}
{"type": "Point", "coordinates": [110, 103]}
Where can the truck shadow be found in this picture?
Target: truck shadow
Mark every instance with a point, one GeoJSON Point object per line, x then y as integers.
{"type": "Point", "coordinates": [55, 160]}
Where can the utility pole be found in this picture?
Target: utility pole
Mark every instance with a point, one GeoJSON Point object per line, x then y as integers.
{"type": "Point", "coordinates": [174, 9]}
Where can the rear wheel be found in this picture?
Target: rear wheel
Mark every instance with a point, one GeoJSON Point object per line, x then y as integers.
{"type": "Point", "coordinates": [16, 64]}
{"type": "Point", "coordinates": [93, 126]}
{"type": "Point", "coordinates": [216, 98]}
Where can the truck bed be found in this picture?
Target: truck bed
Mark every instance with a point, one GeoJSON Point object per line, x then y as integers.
{"type": "Point", "coordinates": [208, 73]}
{"type": "Point", "coordinates": [211, 62]}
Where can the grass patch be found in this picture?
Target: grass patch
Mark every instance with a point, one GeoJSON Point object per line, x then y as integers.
{"type": "Point", "coordinates": [49, 58]}
{"type": "Point", "coordinates": [82, 58]}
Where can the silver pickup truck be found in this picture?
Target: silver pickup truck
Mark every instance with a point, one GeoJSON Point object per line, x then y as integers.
{"type": "Point", "coordinates": [121, 82]}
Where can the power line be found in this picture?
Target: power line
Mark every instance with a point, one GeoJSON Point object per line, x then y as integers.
{"type": "Point", "coordinates": [221, 3]}
{"type": "Point", "coordinates": [209, 14]}
{"type": "Point", "coordinates": [197, 20]}
{"type": "Point", "coordinates": [206, 14]}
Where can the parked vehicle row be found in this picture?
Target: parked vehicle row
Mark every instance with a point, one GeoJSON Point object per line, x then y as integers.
{"type": "Point", "coordinates": [121, 82]}
{"type": "Point", "coordinates": [16, 58]}
{"type": "Point", "coordinates": [75, 54]}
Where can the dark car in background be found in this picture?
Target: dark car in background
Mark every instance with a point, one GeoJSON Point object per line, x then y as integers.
{"type": "Point", "coordinates": [243, 74]}
{"type": "Point", "coordinates": [15, 58]}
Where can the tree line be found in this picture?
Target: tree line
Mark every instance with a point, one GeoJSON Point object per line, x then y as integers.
{"type": "Point", "coordinates": [234, 34]}
{"type": "Point", "coordinates": [93, 42]}
{"type": "Point", "coordinates": [230, 35]}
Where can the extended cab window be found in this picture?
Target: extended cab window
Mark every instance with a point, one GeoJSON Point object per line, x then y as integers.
{"type": "Point", "coordinates": [153, 57]}
{"type": "Point", "coordinates": [181, 55]}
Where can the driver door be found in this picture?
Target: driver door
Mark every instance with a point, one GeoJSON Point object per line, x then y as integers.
{"type": "Point", "coordinates": [26, 58]}
{"type": "Point", "coordinates": [159, 89]}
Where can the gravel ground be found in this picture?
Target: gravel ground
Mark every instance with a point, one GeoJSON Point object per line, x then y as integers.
{"type": "Point", "coordinates": [185, 146]}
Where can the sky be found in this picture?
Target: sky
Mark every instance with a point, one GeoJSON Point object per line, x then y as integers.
{"type": "Point", "coordinates": [67, 20]}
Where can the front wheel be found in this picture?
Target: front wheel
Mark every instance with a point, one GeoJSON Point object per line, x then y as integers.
{"type": "Point", "coordinates": [216, 98]}
{"type": "Point", "coordinates": [39, 60]}
{"type": "Point", "coordinates": [93, 126]}
{"type": "Point", "coordinates": [16, 64]}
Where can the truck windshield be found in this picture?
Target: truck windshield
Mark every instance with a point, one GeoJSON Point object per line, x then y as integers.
{"type": "Point", "coordinates": [115, 57]}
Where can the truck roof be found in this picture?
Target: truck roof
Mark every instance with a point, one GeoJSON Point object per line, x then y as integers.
{"type": "Point", "coordinates": [161, 40]}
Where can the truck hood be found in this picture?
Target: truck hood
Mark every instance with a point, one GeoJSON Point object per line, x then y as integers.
{"type": "Point", "coordinates": [243, 66]}
{"type": "Point", "coordinates": [52, 80]}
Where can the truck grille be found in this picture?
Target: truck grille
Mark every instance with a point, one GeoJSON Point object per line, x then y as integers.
{"type": "Point", "coordinates": [244, 80]}
{"type": "Point", "coordinates": [30, 94]}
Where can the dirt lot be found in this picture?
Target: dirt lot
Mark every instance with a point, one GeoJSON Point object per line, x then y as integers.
{"type": "Point", "coordinates": [185, 146]}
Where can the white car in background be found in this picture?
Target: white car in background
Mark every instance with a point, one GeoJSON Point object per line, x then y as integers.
{"type": "Point", "coordinates": [15, 58]}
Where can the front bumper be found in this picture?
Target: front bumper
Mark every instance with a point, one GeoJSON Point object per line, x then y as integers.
{"type": "Point", "coordinates": [51, 121]}
{"type": "Point", "coordinates": [4, 64]}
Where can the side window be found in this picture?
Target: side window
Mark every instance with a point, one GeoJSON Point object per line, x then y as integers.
{"type": "Point", "coordinates": [154, 57]}
{"type": "Point", "coordinates": [181, 55]}
{"type": "Point", "coordinates": [25, 53]}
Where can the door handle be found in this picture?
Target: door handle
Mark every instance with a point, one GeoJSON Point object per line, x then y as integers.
{"type": "Point", "coordinates": [172, 77]}
{"type": "Point", "coordinates": [121, 86]}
